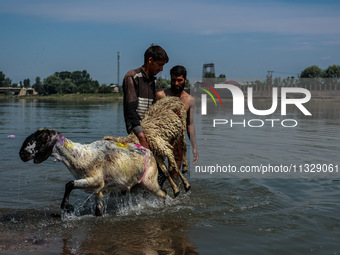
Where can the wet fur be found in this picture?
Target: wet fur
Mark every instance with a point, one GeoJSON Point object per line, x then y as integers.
{"type": "Point", "coordinates": [164, 124]}
{"type": "Point", "coordinates": [99, 167]}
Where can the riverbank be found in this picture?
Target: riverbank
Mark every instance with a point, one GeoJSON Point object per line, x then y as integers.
{"type": "Point", "coordinates": [70, 97]}
{"type": "Point", "coordinates": [316, 96]}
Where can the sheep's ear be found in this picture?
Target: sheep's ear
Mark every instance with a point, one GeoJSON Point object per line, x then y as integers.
{"type": "Point", "coordinates": [46, 143]}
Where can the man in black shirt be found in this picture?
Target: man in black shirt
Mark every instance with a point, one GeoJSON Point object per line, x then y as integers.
{"type": "Point", "coordinates": [140, 91]}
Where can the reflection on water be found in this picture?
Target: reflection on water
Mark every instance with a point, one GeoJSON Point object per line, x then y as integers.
{"type": "Point", "coordinates": [88, 235]}
{"type": "Point", "coordinates": [219, 216]}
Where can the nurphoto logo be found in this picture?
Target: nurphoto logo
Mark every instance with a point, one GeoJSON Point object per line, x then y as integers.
{"type": "Point", "coordinates": [301, 96]}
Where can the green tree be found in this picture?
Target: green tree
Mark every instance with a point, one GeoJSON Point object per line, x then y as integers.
{"type": "Point", "coordinates": [27, 83]}
{"type": "Point", "coordinates": [4, 82]}
{"type": "Point", "coordinates": [312, 72]}
{"type": "Point", "coordinates": [332, 72]}
{"type": "Point", "coordinates": [163, 83]}
{"type": "Point", "coordinates": [67, 87]}
{"type": "Point", "coordinates": [95, 86]}
{"type": "Point", "coordinates": [38, 86]}
{"type": "Point", "coordinates": [53, 84]}
{"type": "Point", "coordinates": [77, 81]}
{"type": "Point", "coordinates": [104, 89]}
{"type": "Point", "coordinates": [2, 78]}
{"type": "Point", "coordinates": [209, 75]}
{"type": "Point", "coordinates": [64, 75]}
{"type": "Point", "coordinates": [7, 82]}
{"type": "Point", "coordinates": [187, 84]}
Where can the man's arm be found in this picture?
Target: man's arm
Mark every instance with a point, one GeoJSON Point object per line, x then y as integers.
{"type": "Point", "coordinates": [191, 129]}
{"type": "Point", "coordinates": [142, 140]}
{"type": "Point", "coordinates": [160, 94]}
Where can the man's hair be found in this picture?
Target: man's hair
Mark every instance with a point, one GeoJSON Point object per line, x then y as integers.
{"type": "Point", "coordinates": [157, 53]}
{"type": "Point", "coordinates": [178, 71]}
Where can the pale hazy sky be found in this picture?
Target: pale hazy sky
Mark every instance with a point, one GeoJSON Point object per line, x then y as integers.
{"type": "Point", "coordinates": [243, 38]}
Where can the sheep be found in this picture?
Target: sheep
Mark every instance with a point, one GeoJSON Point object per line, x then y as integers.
{"type": "Point", "coordinates": [99, 167]}
{"type": "Point", "coordinates": [163, 124]}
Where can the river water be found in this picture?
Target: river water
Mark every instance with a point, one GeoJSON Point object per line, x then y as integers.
{"type": "Point", "coordinates": [221, 214]}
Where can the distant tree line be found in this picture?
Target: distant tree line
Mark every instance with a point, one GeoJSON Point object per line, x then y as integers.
{"type": "Point", "coordinates": [312, 72]}
{"type": "Point", "coordinates": [81, 82]}
{"type": "Point", "coordinates": [61, 83]}
{"type": "Point", "coordinates": [316, 72]}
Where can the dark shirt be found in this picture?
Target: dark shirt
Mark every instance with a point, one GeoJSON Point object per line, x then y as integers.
{"type": "Point", "coordinates": [139, 94]}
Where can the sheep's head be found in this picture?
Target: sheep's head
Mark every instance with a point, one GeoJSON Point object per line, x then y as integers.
{"type": "Point", "coordinates": [38, 146]}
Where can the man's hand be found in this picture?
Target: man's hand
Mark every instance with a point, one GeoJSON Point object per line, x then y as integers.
{"type": "Point", "coordinates": [196, 156]}
{"type": "Point", "coordinates": [178, 113]}
{"type": "Point", "coordinates": [142, 140]}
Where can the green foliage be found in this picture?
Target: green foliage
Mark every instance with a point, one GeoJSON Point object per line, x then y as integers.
{"type": "Point", "coordinates": [311, 72]}
{"type": "Point", "coordinates": [52, 84]}
{"type": "Point", "coordinates": [187, 84]}
{"type": "Point", "coordinates": [27, 83]}
{"type": "Point", "coordinates": [332, 72]}
{"type": "Point", "coordinates": [4, 82]}
{"type": "Point", "coordinates": [2, 78]}
{"type": "Point", "coordinates": [38, 86]}
{"type": "Point", "coordinates": [7, 82]}
{"type": "Point", "coordinates": [104, 89]}
{"type": "Point", "coordinates": [162, 83]}
{"type": "Point", "coordinates": [68, 87]}
{"type": "Point", "coordinates": [209, 75]}
{"type": "Point", "coordinates": [68, 82]}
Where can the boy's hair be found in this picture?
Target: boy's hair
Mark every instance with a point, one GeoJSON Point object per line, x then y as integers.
{"type": "Point", "coordinates": [157, 53]}
{"type": "Point", "coordinates": [178, 71]}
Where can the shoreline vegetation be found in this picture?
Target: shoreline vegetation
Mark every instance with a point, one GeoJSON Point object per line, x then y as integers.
{"type": "Point", "coordinates": [106, 97]}
{"type": "Point", "coordinates": [70, 97]}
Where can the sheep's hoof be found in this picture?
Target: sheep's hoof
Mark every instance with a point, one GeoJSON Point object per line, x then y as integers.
{"type": "Point", "coordinates": [98, 212]}
{"type": "Point", "coordinates": [176, 193]}
{"type": "Point", "coordinates": [187, 188]}
{"type": "Point", "coordinates": [184, 169]}
{"type": "Point", "coordinates": [69, 208]}
{"type": "Point", "coordinates": [56, 215]}
{"type": "Point", "coordinates": [99, 208]}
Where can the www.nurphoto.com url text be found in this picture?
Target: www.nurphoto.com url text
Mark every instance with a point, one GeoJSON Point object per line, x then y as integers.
{"type": "Point", "coordinates": [269, 168]}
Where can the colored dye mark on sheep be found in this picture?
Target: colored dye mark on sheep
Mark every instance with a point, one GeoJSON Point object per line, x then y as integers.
{"type": "Point", "coordinates": [69, 144]}
{"type": "Point", "coordinates": [122, 145]}
{"type": "Point", "coordinates": [139, 146]}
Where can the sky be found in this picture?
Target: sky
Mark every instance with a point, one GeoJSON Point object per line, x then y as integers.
{"type": "Point", "coordinates": [243, 38]}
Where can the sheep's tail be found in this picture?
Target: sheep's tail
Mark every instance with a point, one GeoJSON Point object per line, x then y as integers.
{"type": "Point", "coordinates": [127, 139]}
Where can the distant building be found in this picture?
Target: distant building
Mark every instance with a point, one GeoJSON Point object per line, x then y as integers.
{"type": "Point", "coordinates": [115, 88]}
{"type": "Point", "coordinates": [18, 91]}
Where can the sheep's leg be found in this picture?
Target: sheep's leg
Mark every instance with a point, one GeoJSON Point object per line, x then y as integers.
{"type": "Point", "coordinates": [162, 166]}
{"type": "Point", "coordinates": [185, 181]}
{"type": "Point", "coordinates": [65, 204]}
{"type": "Point", "coordinates": [99, 204]}
{"type": "Point", "coordinates": [79, 184]}
{"type": "Point", "coordinates": [150, 182]}
{"type": "Point", "coordinates": [173, 163]}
